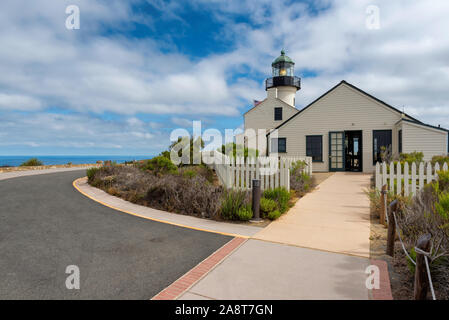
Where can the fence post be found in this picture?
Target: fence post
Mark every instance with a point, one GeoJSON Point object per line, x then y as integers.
{"type": "Point", "coordinates": [421, 279]}
{"type": "Point", "coordinates": [391, 235]}
{"type": "Point", "coordinates": [383, 204]}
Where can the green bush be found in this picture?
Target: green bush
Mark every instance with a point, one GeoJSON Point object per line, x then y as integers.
{"type": "Point", "coordinates": [245, 213]}
{"type": "Point", "coordinates": [159, 165]}
{"type": "Point", "coordinates": [441, 160]}
{"type": "Point", "coordinates": [411, 157]}
{"type": "Point", "coordinates": [273, 215]}
{"type": "Point", "coordinates": [442, 206]}
{"type": "Point", "coordinates": [91, 173]}
{"type": "Point", "coordinates": [267, 205]}
{"type": "Point", "coordinates": [247, 152]}
{"type": "Point", "coordinates": [233, 201]}
{"type": "Point", "coordinates": [33, 162]}
{"type": "Point", "coordinates": [189, 173]}
{"type": "Point", "coordinates": [280, 195]}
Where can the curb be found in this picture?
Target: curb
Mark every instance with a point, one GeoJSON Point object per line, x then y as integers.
{"type": "Point", "coordinates": [384, 292]}
{"type": "Point", "coordinates": [180, 286]}
{"type": "Point", "coordinates": [75, 185]}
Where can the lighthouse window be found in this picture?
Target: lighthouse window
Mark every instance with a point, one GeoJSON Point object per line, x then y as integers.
{"type": "Point", "coordinates": [277, 114]}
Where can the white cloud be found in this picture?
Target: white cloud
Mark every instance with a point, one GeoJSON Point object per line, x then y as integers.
{"type": "Point", "coordinates": [18, 102]}
{"type": "Point", "coordinates": [80, 131]}
{"type": "Point", "coordinates": [42, 64]}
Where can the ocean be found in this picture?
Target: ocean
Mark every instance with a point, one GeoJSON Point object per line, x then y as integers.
{"type": "Point", "coordinates": [15, 161]}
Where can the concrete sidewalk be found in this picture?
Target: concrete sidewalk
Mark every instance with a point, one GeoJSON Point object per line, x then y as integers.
{"type": "Point", "coordinates": [260, 270]}
{"type": "Point", "coordinates": [334, 217]}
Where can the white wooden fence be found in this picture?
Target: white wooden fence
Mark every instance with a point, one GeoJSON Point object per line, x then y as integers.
{"type": "Point", "coordinates": [407, 181]}
{"type": "Point", "coordinates": [238, 173]}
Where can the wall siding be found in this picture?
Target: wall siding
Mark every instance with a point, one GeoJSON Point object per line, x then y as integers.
{"type": "Point", "coordinates": [422, 139]}
{"type": "Point", "coordinates": [342, 109]}
{"type": "Point", "coordinates": [262, 117]}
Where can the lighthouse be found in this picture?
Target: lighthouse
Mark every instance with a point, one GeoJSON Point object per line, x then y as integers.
{"type": "Point", "coordinates": [283, 84]}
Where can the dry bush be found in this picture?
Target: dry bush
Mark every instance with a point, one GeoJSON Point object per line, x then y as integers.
{"type": "Point", "coordinates": [188, 195]}
{"type": "Point", "coordinates": [420, 217]}
{"type": "Point", "coordinates": [192, 195]}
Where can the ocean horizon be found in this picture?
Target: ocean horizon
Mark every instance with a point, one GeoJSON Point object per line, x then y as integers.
{"type": "Point", "coordinates": [15, 161]}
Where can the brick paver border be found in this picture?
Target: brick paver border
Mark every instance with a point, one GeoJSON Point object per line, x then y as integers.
{"type": "Point", "coordinates": [184, 283]}
{"type": "Point", "coordinates": [384, 292]}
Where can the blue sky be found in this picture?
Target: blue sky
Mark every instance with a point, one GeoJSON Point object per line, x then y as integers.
{"type": "Point", "coordinates": [138, 69]}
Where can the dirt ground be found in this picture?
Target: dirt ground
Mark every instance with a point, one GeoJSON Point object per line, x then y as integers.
{"type": "Point", "coordinates": [400, 276]}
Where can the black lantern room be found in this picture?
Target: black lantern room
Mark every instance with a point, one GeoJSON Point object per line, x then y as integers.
{"type": "Point", "coordinates": [283, 72]}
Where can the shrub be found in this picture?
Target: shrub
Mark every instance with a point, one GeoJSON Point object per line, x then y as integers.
{"type": "Point", "coordinates": [280, 195]}
{"type": "Point", "coordinates": [159, 165]}
{"type": "Point", "coordinates": [441, 160]}
{"type": "Point", "coordinates": [245, 213]}
{"type": "Point", "coordinates": [183, 146]}
{"type": "Point", "coordinates": [33, 162]}
{"type": "Point", "coordinates": [267, 205]}
{"type": "Point", "coordinates": [442, 206]}
{"type": "Point", "coordinates": [91, 173]}
{"type": "Point", "coordinates": [273, 215]}
{"type": "Point", "coordinates": [299, 180]}
{"type": "Point", "coordinates": [232, 201]}
{"type": "Point", "coordinates": [189, 173]}
{"type": "Point", "coordinates": [247, 152]}
{"type": "Point", "coordinates": [416, 157]}
{"type": "Point", "coordinates": [443, 180]}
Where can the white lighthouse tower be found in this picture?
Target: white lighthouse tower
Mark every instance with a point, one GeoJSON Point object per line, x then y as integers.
{"type": "Point", "coordinates": [278, 106]}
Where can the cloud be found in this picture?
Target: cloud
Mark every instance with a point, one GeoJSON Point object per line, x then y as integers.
{"type": "Point", "coordinates": [18, 102]}
{"type": "Point", "coordinates": [105, 68]}
{"type": "Point", "coordinates": [78, 132]}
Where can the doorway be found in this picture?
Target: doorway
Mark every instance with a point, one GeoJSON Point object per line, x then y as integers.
{"type": "Point", "coordinates": [353, 151]}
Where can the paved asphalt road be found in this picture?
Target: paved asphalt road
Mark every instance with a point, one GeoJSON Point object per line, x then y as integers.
{"type": "Point", "coordinates": [46, 225]}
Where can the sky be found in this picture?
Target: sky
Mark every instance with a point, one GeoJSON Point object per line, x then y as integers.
{"type": "Point", "coordinates": [135, 70]}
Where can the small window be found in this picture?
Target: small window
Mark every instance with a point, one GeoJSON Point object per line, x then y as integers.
{"type": "Point", "coordinates": [279, 145]}
{"type": "Point", "coordinates": [314, 148]}
{"type": "Point", "coordinates": [381, 144]}
{"type": "Point", "coordinates": [400, 141]}
{"type": "Point", "coordinates": [277, 114]}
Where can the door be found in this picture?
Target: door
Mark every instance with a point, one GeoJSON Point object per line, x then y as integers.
{"type": "Point", "coordinates": [336, 151]}
{"type": "Point", "coordinates": [353, 150]}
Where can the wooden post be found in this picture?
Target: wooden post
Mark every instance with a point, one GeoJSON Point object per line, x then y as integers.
{"type": "Point", "coordinates": [383, 201]}
{"type": "Point", "coordinates": [421, 278]}
{"type": "Point", "coordinates": [391, 228]}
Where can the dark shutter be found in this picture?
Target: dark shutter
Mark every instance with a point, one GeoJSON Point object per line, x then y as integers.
{"type": "Point", "coordinates": [314, 148]}
{"type": "Point", "coordinates": [277, 114]}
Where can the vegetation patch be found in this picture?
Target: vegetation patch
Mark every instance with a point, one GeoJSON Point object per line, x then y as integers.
{"type": "Point", "coordinates": [33, 162]}
{"type": "Point", "coordinates": [425, 213]}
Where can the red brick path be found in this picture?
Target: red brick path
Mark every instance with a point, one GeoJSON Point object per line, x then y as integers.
{"type": "Point", "coordinates": [190, 278]}
{"type": "Point", "coordinates": [384, 292]}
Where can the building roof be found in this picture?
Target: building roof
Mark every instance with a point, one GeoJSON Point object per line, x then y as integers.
{"type": "Point", "coordinates": [282, 58]}
{"type": "Point", "coordinates": [359, 90]}
{"type": "Point", "coordinates": [423, 124]}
